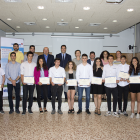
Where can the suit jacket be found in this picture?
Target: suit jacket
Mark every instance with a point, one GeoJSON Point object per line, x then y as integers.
{"type": "Point", "coordinates": [89, 61]}
{"type": "Point", "coordinates": [50, 60]}
{"type": "Point", "coordinates": [67, 58]}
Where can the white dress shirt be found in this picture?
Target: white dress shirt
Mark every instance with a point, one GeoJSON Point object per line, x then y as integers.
{"type": "Point", "coordinates": [92, 62]}
{"type": "Point", "coordinates": [110, 71]}
{"type": "Point", "coordinates": [56, 72]}
{"type": "Point", "coordinates": [1, 74]}
{"type": "Point", "coordinates": [124, 68]}
{"type": "Point", "coordinates": [84, 72]}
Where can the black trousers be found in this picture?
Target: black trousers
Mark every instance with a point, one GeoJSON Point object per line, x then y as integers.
{"type": "Point", "coordinates": [45, 93]}
{"type": "Point", "coordinates": [123, 91]}
{"type": "Point", "coordinates": [56, 89]}
{"type": "Point", "coordinates": [17, 93]}
{"type": "Point", "coordinates": [1, 100]}
{"type": "Point", "coordinates": [114, 92]}
{"type": "Point", "coordinates": [27, 88]}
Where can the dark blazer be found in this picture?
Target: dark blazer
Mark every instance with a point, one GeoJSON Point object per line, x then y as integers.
{"type": "Point", "coordinates": [67, 58]}
{"type": "Point", "coordinates": [89, 61]}
{"type": "Point", "coordinates": [50, 60]}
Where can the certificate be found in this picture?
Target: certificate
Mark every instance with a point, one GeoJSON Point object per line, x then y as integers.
{"type": "Point", "coordinates": [72, 82]}
{"type": "Point", "coordinates": [84, 82]}
{"type": "Point", "coordinates": [110, 80]}
{"type": "Point", "coordinates": [123, 75]}
{"type": "Point", "coordinates": [58, 80]}
{"type": "Point", "coordinates": [134, 79]}
{"type": "Point", "coordinates": [0, 88]}
{"type": "Point", "coordinates": [44, 80]}
{"type": "Point", "coordinates": [29, 79]}
{"type": "Point", "coordinates": [96, 80]}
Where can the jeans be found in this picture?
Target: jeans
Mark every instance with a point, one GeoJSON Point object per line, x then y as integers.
{"type": "Point", "coordinates": [80, 94]}
{"type": "Point", "coordinates": [27, 88]}
{"type": "Point", "coordinates": [17, 94]}
{"type": "Point", "coordinates": [1, 100]}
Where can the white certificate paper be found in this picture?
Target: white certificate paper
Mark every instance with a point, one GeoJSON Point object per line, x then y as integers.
{"type": "Point", "coordinates": [123, 75]}
{"type": "Point", "coordinates": [29, 79]}
{"type": "Point", "coordinates": [110, 80]}
{"type": "Point", "coordinates": [84, 82]}
{"type": "Point", "coordinates": [0, 88]}
{"type": "Point", "coordinates": [72, 82]}
{"type": "Point", "coordinates": [44, 80]}
{"type": "Point", "coordinates": [134, 79]}
{"type": "Point", "coordinates": [58, 80]}
{"type": "Point", "coordinates": [97, 80]}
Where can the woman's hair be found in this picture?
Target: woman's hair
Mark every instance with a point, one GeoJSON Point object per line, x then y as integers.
{"type": "Point", "coordinates": [67, 66]}
{"type": "Point", "coordinates": [44, 64]}
{"type": "Point", "coordinates": [102, 54]}
{"type": "Point", "coordinates": [94, 65]}
{"type": "Point", "coordinates": [131, 68]}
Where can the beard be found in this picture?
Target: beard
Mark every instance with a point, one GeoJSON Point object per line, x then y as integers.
{"type": "Point", "coordinates": [15, 49]}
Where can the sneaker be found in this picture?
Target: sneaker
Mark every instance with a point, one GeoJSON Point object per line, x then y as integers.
{"type": "Point", "coordinates": [132, 115]}
{"type": "Point", "coordinates": [53, 111]}
{"type": "Point", "coordinates": [79, 111]}
{"type": "Point", "coordinates": [120, 112]}
{"type": "Point", "coordinates": [11, 111]}
{"type": "Point", "coordinates": [125, 113]}
{"type": "Point", "coordinates": [24, 112]}
{"type": "Point", "coordinates": [138, 116]}
{"type": "Point", "coordinates": [88, 112]}
{"type": "Point", "coordinates": [30, 111]}
{"type": "Point", "coordinates": [108, 113]}
{"type": "Point", "coordinates": [2, 112]}
{"type": "Point", "coordinates": [59, 111]}
{"type": "Point", "coordinates": [115, 114]}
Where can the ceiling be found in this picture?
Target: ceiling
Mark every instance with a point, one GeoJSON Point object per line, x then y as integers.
{"type": "Point", "coordinates": [100, 12]}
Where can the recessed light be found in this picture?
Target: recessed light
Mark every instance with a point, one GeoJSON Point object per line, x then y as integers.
{"type": "Point", "coordinates": [17, 26]}
{"type": "Point", "coordinates": [86, 8]}
{"type": "Point", "coordinates": [114, 20]}
{"type": "Point", "coordinates": [44, 19]}
{"type": "Point", "coordinates": [80, 19]}
{"type": "Point", "coordinates": [9, 19]}
{"type": "Point", "coordinates": [47, 27]}
{"type": "Point", "coordinates": [130, 10]}
{"type": "Point", "coordinates": [105, 28]}
{"type": "Point", "coordinates": [77, 27]}
{"type": "Point", "coordinates": [40, 7]}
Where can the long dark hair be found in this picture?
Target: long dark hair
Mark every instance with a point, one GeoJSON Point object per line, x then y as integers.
{"type": "Point", "coordinates": [44, 64]}
{"type": "Point", "coordinates": [94, 65]}
{"type": "Point", "coordinates": [131, 68]}
{"type": "Point", "coordinates": [102, 54]}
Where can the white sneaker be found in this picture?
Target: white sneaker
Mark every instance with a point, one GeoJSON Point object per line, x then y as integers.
{"type": "Point", "coordinates": [115, 114]}
{"type": "Point", "coordinates": [125, 113]}
{"type": "Point", "coordinates": [108, 113]}
{"type": "Point", "coordinates": [132, 115]}
{"type": "Point", "coordinates": [120, 112]}
{"type": "Point", "coordinates": [138, 116]}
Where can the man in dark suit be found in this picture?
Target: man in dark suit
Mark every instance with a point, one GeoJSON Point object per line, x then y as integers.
{"type": "Point", "coordinates": [92, 57]}
{"type": "Point", "coordinates": [64, 57]}
{"type": "Point", "coordinates": [49, 59]}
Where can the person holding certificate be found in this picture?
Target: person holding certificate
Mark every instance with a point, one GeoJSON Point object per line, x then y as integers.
{"type": "Point", "coordinates": [40, 72]}
{"type": "Point", "coordinates": [109, 77]}
{"type": "Point", "coordinates": [70, 76]}
{"type": "Point", "coordinates": [57, 78]}
{"type": "Point", "coordinates": [97, 89]}
{"type": "Point", "coordinates": [123, 85]}
{"type": "Point", "coordinates": [84, 76]}
{"type": "Point", "coordinates": [134, 70]}
{"type": "Point", "coordinates": [27, 79]}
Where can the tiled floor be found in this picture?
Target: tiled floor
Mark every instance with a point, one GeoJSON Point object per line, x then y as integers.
{"type": "Point", "coordinates": [68, 127]}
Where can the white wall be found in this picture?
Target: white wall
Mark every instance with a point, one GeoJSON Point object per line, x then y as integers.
{"type": "Point", "coordinates": [2, 33]}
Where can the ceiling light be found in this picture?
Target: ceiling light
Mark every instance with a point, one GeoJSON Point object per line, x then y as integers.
{"type": "Point", "coordinates": [9, 19]}
{"type": "Point", "coordinates": [44, 19]}
{"type": "Point", "coordinates": [18, 27]}
{"type": "Point", "coordinates": [77, 27]}
{"type": "Point", "coordinates": [86, 8]}
{"type": "Point", "coordinates": [114, 20]}
{"type": "Point", "coordinates": [12, 0]}
{"type": "Point", "coordinates": [105, 28]}
{"type": "Point", "coordinates": [63, 0]}
{"type": "Point", "coordinates": [80, 19]}
{"type": "Point", "coordinates": [47, 27]}
{"type": "Point", "coordinates": [40, 7]}
{"type": "Point", "coordinates": [130, 10]}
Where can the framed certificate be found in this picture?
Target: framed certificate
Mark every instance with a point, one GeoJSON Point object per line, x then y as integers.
{"type": "Point", "coordinates": [44, 80]}
{"type": "Point", "coordinates": [58, 80]}
{"type": "Point", "coordinates": [96, 80]}
{"type": "Point", "coordinates": [110, 80]}
{"type": "Point", "coordinates": [0, 88]}
{"type": "Point", "coordinates": [123, 75]}
{"type": "Point", "coordinates": [29, 79]}
{"type": "Point", "coordinates": [72, 82]}
{"type": "Point", "coordinates": [134, 79]}
{"type": "Point", "coordinates": [84, 81]}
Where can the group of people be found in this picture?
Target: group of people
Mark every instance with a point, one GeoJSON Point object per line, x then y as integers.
{"type": "Point", "coordinates": [32, 65]}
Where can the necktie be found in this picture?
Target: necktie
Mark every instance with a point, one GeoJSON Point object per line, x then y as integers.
{"type": "Point", "coordinates": [63, 60]}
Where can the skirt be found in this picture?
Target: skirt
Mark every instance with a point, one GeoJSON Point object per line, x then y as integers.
{"type": "Point", "coordinates": [97, 89]}
{"type": "Point", "coordinates": [135, 88]}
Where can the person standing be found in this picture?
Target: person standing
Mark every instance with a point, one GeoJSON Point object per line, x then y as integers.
{"type": "Point", "coordinates": [92, 58]}
{"type": "Point", "coordinates": [56, 71]}
{"type": "Point", "coordinates": [13, 77]}
{"type": "Point", "coordinates": [78, 59]}
{"type": "Point", "coordinates": [27, 69]}
{"type": "Point", "coordinates": [118, 56]}
{"type": "Point", "coordinates": [84, 70]}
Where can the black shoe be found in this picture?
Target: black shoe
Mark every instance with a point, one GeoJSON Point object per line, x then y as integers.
{"type": "Point", "coordinates": [50, 98]}
{"type": "Point", "coordinates": [11, 111]}
{"type": "Point", "coordinates": [69, 112]}
{"type": "Point", "coordinates": [17, 111]}
{"type": "Point", "coordinates": [72, 111]}
{"type": "Point", "coordinates": [57, 98]}
{"type": "Point", "coordinates": [88, 112]}
{"type": "Point", "coordinates": [30, 111]}
{"type": "Point", "coordinates": [41, 112]}
{"type": "Point", "coordinates": [34, 98]}
{"type": "Point", "coordinates": [79, 111]}
{"type": "Point", "coordinates": [24, 112]}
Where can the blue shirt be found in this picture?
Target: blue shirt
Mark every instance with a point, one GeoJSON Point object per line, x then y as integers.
{"type": "Point", "coordinates": [13, 71]}
{"type": "Point", "coordinates": [64, 55]}
{"type": "Point", "coordinates": [42, 72]}
{"type": "Point", "coordinates": [46, 57]}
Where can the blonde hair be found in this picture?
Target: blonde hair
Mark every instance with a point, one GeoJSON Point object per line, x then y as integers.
{"type": "Point", "coordinates": [67, 66]}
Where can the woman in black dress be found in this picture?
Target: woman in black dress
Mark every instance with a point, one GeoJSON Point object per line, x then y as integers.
{"type": "Point", "coordinates": [97, 89]}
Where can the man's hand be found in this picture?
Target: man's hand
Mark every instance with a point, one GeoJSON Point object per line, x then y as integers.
{"type": "Point", "coordinates": [103, 80]}
{"type": "Point", "coordinates": [52, 83]}
{"type": "Point", "coordinates": [59, 84]}
{"type": "Point", "coordinates": [2, 85]}
{"type": "Point", "coordinates": [40, 83]}
{"type": "Point", "coordinates": [24, 83]}
{"type": "Point", "coordinates": [14, 82]}
{"type": "Point", "coordinates": [117, 81]}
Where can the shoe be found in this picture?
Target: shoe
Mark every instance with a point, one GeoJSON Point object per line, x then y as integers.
{"type": "Point", "coordinates": [132, 115]}
{"type": "Point", "coordinates": [115, 114]}
{"type": "Point", "coordinates": [138, 116]}
{"type": "Point", "coordinates": [125, 113]}
{"type": "Point", "coordinates": [59, 111]}
{"type": "Point", "coordinates": [108, 113]}
{"type": "Point", "coordinates": [88, 112]}
{"type": "Point", "coordinates": [45, 111]}
{"type": "Point", "coordinates": [72, 111]}
{"type": "Point", "coordinates": [96, 111]}
{"type": "Point", "coordinates": [99, 112]}
{"type": "Point", "coordinates": [2, 112]}
{"type": "Point", "coordinates": [11, 111]}
{"type": "Point", "coordinates": [17, 111]}
{"type": "Point", "coordinates": [50, 98]}
{"type": "Point", "coordinates": [79, 111]}
{"type": "Point", "coordinates": [69, 112]}
{"type": "Point", "coordinates": [41, 112]}
{"type": "Point", "coordinates": [119, 112]}
{"type": "Point", "coordinates": [24, 112]}
{"type": "Point", "coordinates": [30, 111]}
{"type": "Point", "coordinates": [53, 112]}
